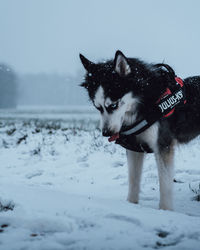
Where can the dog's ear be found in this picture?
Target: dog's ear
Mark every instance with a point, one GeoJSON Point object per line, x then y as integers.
{"type": "Point", "coordinates": [86, 63]}
{"type": "Point", "coordinates": [121, 65]}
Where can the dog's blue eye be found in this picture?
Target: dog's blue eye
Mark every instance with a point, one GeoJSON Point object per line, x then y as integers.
{"type": "Point", "coordinates": [113, 106]}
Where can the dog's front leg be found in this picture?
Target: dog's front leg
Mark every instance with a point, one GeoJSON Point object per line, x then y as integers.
{"type": "Point", "coordinates": [135, 162]}
{"type": "Point", "coordinates": [165, 162]}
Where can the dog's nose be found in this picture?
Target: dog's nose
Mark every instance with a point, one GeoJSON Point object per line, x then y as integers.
{"type": "Point", "coordinates": [106, 132]}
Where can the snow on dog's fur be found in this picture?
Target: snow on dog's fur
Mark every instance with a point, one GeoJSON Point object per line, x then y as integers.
{"type": "Point", "coordinates": [124, 90]}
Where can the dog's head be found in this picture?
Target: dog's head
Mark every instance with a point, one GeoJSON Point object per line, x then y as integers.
{"type": "Point", "coordinates": [116, 90]}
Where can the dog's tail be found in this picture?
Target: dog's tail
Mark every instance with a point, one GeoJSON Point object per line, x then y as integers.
{"type": "Point", "coordinates": [169, 69]}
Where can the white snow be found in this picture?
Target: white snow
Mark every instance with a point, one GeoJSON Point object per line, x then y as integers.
{"type": "Point", "coordinates": [69, 187]}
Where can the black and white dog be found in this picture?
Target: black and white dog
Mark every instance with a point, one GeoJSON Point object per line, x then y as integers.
{"type": "Point", "coordinates": [145, 108]}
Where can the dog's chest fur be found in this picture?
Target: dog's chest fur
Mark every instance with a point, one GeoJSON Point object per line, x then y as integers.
{"type": "Point", "coordinates": [149, 136]}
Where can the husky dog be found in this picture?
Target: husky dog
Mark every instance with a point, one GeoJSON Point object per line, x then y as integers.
{"type": "Point", "coordinates": [125, 91]}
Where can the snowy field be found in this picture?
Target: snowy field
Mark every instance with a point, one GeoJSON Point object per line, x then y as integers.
{"type": "Point", "coordinates": [63, 186]}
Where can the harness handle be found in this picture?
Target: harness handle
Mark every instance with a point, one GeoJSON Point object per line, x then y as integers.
{"type": "Point", "coordinates": [170, 70]}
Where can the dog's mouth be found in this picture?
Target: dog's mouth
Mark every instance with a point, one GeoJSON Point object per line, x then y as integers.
{"type": "Point", "coordinates": [116, 135]}
{"type": "Point", "coordinates": [113, 137]}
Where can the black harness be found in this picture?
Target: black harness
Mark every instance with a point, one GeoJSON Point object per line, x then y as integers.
{"type": "Point", "coordinates": [163, 108]}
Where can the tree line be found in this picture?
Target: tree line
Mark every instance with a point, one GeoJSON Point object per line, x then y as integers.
{"type": "Point", "coordinates": [8, 87]}
{"type": "Point", "coordinates": [39, 89]}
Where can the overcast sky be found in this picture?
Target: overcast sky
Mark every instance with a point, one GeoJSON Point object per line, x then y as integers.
{"type": "Point", "coordinates": [47, 35]}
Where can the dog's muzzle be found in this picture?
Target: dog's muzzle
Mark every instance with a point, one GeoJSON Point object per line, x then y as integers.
{"type": "Point", "coordinates": [113, 137]}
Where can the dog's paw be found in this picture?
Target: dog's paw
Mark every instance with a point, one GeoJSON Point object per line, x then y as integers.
{"type": "Point", "coordinates": [166, 207]}
{"type": "Point", "coordinates": [132, 200]}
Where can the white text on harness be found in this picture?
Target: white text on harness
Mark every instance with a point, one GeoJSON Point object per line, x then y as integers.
{"type": "Point", "coordinates": [171, 101]}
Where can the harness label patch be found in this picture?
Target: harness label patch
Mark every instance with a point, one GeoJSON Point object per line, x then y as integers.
{"type": "Point", "coordinates": [171, 101]}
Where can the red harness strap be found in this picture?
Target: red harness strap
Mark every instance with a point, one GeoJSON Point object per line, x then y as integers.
{"type": "Point", "coordinates": [179, 81]}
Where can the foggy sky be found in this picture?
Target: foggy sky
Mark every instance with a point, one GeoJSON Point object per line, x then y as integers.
{"type": "Point", "coordinates": [47, 35]}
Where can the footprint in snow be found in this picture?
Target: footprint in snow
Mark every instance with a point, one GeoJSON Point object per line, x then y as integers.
{"type": "Point", "coordinates": [124, 218]}
{"type": "Point", "coordinates": [35, 174]}
{"type": "Point", "coordinates": [84, 165]}
{"type": "Point", "coordinates": [117, 164]}
{"type": "Point", "coordinates": [82, 159]}
{"type": "Point", "coordinates": [162, 234]}
{"type": "Point", "coordinates": [2, 227]}
{"type": "Point", "coordinates": [119, 177]}
{"type": "Point", "coordinates": [6, 205]}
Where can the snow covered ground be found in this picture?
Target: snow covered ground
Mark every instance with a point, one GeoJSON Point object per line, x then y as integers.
{"type": "Point", "coordinates": [64, 187]}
